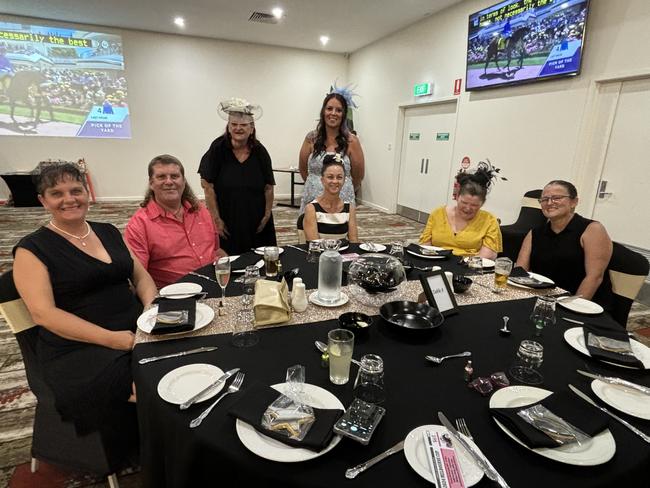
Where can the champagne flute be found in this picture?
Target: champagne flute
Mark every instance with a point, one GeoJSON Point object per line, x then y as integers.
{"type": "Point", "coordinates": [222, 270]}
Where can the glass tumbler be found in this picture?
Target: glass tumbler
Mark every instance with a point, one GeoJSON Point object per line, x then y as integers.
{"type": "Point", "coordinates": [397, 250]}
{"type": "Point", "coordinates": [475, 264]}
{"type": "Point", "coordinates": [529, 358]}
{"type": "Point", "coordinates": [369, 385]}
{"type": "Point", "coordinates": [502, 269]}
{"type": "Point", "coordinates": [313, 252]}
{"type": "Point", "coordinates": [271, 261]}
{"type": "Point", "coordinates": [543, 313]}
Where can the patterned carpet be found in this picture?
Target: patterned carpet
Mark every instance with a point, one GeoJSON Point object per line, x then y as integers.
{"type": "Point", "coordinates": [17, 402]}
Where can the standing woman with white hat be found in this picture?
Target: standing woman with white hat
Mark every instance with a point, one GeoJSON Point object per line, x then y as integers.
{"type": "Point", "coordinates": [237, 178]}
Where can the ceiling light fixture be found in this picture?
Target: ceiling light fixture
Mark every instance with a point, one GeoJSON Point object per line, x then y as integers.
{"type": "Point", "coordinates": [324, 40]}
{"type": "Point", "coordinates": [179, 21]}
{"type": "Point", "coordinates": [277, 12]}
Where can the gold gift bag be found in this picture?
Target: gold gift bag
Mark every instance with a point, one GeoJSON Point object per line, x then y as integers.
{"type": "Point", "coordinates": [271, 302]}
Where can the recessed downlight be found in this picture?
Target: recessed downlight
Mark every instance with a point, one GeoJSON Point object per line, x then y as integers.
{"type": "Point", "coordinates": [324, 40]}
{"type": "Point", "coordinates": [277, 12]}
{"type": "Point", "coordinates": [179, 21]}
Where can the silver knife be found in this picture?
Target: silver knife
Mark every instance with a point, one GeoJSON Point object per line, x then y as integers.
{"type": "Point", "coordinates": [616, 381]}
{"type": "Point", "coordinates": [573, 321]}
{"type": "Point", "coordinates": [479, 457]}
{"type": "Point", "coordinates": [614, 416]}
{"type": "Point", "coordinates": [353, 472]}
{"type": "Point", "coordinates": [176, 354]}
{"type": "Point", "coordinates": [208, 388]}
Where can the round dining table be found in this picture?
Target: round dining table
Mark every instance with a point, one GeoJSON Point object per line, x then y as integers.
{"type": "Point", "coordinates": [175, 455]}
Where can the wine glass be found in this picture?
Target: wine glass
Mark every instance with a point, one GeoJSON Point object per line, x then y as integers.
{"type": "Point", "coordinates": [222, 270]}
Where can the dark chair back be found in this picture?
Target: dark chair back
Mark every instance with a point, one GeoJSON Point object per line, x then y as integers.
{"type": "Point", "coordinates": [54, 440]}
{"type": "Point", "coordinates": [530, 216]}
{"type": "Point", "coordinates": [627, 270]}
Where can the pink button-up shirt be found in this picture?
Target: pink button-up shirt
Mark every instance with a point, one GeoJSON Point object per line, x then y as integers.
{"type": "Point", "coordinates": [167, 248]}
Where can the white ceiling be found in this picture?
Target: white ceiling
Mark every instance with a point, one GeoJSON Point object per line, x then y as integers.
{"type": "Point", "coordinates": [350, 24]}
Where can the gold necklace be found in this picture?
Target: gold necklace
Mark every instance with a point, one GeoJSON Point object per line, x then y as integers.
{"type": "Point", "coordinates": [81, 238]}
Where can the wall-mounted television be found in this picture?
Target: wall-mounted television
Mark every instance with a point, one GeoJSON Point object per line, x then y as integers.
{"type": "Point", "coordinates": [520, 41]}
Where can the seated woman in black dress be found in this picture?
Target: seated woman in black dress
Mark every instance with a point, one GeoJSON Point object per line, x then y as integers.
{"type": "Point", "coordinates": [327, 216]}
{"type": "Point", "coordinates": [75, 277]}
{"type": "Point", "coordinates": [571, 250]}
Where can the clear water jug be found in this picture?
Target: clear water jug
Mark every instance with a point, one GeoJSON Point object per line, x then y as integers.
{"type": "Point", "coordinates": [330, 266]}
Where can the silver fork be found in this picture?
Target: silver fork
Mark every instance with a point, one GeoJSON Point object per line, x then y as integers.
{"type": "Point", "coordinates": [233, 388]}
{"type": "Point", "coordinates": [461, 425]}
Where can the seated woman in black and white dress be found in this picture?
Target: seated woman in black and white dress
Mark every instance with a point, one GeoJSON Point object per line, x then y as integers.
{"type": "Point", "coordinates": [327, 216]}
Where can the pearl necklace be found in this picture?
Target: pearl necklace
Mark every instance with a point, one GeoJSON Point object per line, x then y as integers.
{"type": "Point", "coordinates": [81, 238]}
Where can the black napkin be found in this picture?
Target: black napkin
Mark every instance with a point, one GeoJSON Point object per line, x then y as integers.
{"type": "Point", "coordinates": [563, 404]}
{"type": "Point", "coordinates": [169, 305]}
{"type": "Point", "coordinates": [246, 259]}
{"type": "Point", "coordinates": [418, 250]}
{"type": "Point", "coordinates": [602, 354]}
{"type": "Point", "coordinates": [520, 276]}
{"type": "Point", "coordinates": [253, 403]}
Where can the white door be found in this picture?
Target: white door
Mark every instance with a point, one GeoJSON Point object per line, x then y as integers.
{"type": "Point", "coordinates": [425, 165]}
{"type": "Point", "coordinates": [623, 206]}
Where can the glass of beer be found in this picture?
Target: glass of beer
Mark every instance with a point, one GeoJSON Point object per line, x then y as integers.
{"type": "Point", "coordinates": [502, 269]}
{"type": "Point", "coordinates": [340, 344]}
{"type": "Point", "coordinates": [271, 261]}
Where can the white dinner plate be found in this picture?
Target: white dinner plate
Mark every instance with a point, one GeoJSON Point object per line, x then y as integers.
{"type": "Point", "coordinates": [180, 290]}
{"type": "Point", "coordinates": [576, 339]}
{"type": "Point", "coordinates": [268, 448]}
{"type": "Point", "coordinates": [258, 265]}
{"type": "Point", "coordinates": [376, 247]}
{"type": "Point", "coordinates": [260, 250]}
{"type": "Point", "coordinates": [627, 400]}
{"type": "Point", "coordinates": [580, 305]}
{"type": "Point", "coordinates": [430, 248]}
{"type": "Point", "coordinates": [488, 263]}
{"type": "Point", "coordinates": [181, 384]}
{"type": "Point", "coordinates": [204, 316]}
{"type": "Point", "coordinates": [598, 450]}
{"type": "Point", "coordinates": [538, 277]}
{"type": "Point", "coordinates": [416, 455]}
{"type": "Point", "coordinates": [313, 298]}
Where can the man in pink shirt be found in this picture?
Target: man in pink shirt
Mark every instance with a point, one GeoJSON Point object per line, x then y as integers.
{"type": "Point", "coordinates": [173, 233]}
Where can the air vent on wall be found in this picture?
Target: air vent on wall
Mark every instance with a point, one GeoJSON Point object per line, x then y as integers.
{"type": "Point", "coordinates": [263, 18]}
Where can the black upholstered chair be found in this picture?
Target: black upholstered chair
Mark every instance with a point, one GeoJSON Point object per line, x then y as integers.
{"type": "Point", "coordinates": [54, 440]}
{"type": "Point", "coordinates": [530, 216]}
{"type": "Point", "coordinates": [627, 270]}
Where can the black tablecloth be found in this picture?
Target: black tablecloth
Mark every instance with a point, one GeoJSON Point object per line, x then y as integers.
{"type": "Point", "coordinates": [175, 455]}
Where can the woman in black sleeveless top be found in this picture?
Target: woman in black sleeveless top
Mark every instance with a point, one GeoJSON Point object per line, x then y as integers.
{"type": "Point", "coordinates": [571, 250]}
{"type": "Point", "coordinates": [75, 277]}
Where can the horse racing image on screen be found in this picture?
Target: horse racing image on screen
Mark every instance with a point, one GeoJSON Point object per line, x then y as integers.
{"type": "Point", "coordinates": [519, 41]}
{"type": "Point", "coordinates": [62, 82]}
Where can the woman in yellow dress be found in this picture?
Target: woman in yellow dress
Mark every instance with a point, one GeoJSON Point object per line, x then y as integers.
{"type": "Point", "coordinates": [464, 227]}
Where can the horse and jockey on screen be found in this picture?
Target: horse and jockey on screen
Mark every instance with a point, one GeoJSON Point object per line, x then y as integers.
{"type": "Point", "coordinates": [512, 42]}
{"type": "Point", "coordinates": [28, 87]}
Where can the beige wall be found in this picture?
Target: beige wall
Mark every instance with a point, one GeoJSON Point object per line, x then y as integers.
{"type": "Point", "coordinates": [531, 131]}
{"type": "Point", "coordinates": [175, 83]}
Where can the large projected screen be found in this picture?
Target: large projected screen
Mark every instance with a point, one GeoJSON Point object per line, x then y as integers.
{"type": "Point", "coordinates": [519, 41]}
{"type": "Point", "coordinates": [62, 82]}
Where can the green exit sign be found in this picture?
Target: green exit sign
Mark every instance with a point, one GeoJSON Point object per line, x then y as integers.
{"type": "Point", "coordinates": [422, 89]}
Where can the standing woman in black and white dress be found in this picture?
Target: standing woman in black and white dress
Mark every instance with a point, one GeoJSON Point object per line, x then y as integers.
{"type": "Point", "coordinates": [328, 216]}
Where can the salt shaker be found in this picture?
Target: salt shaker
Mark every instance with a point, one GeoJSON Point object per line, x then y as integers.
{"type": "Point", "coordinates": [299, 298]}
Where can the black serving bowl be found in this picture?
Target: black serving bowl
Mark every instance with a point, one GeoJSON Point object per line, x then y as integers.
{"type": "Point", "coordinates": [411, 317]}
{"type": "Point", "coordinates": [461, 283]}
{"type": "Point", "coordinates": [357, 322]}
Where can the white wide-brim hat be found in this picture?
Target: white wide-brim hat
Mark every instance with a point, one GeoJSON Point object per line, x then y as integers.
{"type": "Point", "coordinates": [238, 106]}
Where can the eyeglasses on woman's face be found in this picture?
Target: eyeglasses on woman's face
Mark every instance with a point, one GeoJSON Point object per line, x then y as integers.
{"type": "Point", "coordinates": [552, 199]}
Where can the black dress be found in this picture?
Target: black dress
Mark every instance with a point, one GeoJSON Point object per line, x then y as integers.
{"type": "Point", "coordinates": [561, 257]}
{"type": "Point", "coordinates": [90, 382]}
{"type": "Point", "coordinates": [240, 194]}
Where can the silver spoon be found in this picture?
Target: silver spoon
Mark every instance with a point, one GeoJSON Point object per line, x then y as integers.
{"type": "Point", "coordinates": [505, 330]}
{"type": "Point", "coordinates": [322, 347]}
{"type": "Point", "coordinates": [438, 360]}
